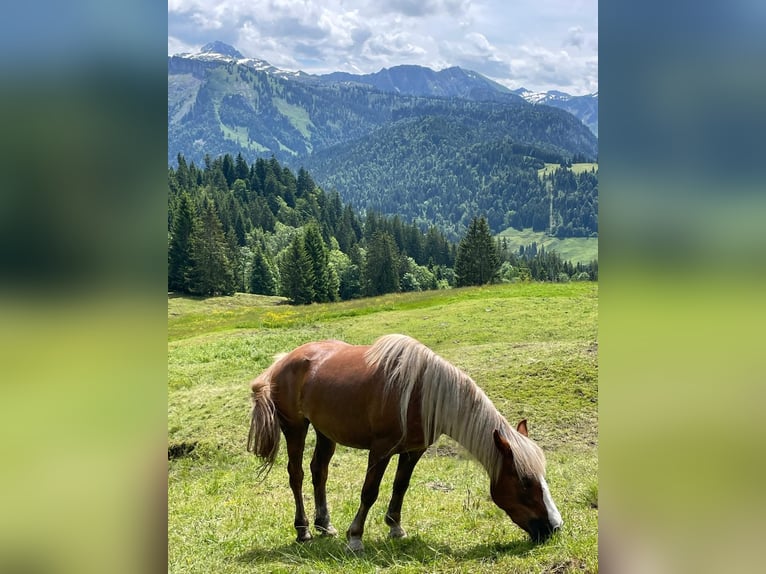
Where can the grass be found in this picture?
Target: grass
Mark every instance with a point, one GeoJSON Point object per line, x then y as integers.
{"type": "Point", "coordinates": [296, 115]}
{"type": "Point", "coordinates": [532, 348]}
{"type": "Point", "coordinates": [576, 168]}
{"type": "Point", "coordinates": [574, 249]}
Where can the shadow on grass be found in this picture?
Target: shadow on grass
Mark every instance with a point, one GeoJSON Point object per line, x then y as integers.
{"type": "Point", "coordinates": [380, 553]}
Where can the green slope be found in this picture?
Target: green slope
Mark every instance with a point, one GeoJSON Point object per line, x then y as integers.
{"type": "Point", "coordinates": [575, 249]}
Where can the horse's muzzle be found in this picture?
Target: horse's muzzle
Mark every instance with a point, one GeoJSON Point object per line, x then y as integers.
{"type": "Point", "coordinates": [541, 530]}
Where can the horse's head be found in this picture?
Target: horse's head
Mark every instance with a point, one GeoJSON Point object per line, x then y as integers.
{"type": "Point", "coordinates": [526, 500]}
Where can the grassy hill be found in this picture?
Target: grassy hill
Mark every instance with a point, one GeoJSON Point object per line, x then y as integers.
{"type": "Point", "coordinates": [531, 347]}
{"type": "Point", "coordinates": [576, 168]}
{"type": "Point", "coordinates": [575, 249]}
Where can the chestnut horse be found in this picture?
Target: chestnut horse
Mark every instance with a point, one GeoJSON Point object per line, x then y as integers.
{"type": "Point", "coordinates": [394, 397]}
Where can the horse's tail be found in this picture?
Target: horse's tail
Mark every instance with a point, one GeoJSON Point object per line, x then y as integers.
{"type": "Point", "coordinates": [263, 438]}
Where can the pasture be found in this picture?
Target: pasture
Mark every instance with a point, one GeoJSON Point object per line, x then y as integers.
{"type": "Point", "coordinates": [574, 249]}
{"type": "Point", "coordinates": [576, 168]}
{"type": "Point", "coordinates": [531, 347]}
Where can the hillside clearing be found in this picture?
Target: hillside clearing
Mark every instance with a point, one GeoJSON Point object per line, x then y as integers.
{"type": "Point", "coordinates": [574, 249]}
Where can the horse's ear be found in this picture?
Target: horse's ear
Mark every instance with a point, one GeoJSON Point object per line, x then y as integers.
{"type": "Point", "coordinates": [522, 427]}
{"type": "Point", "coordinates": [502, 443]}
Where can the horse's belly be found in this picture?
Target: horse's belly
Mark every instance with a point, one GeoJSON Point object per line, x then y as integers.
{"type": "Point", "coordinates": [349, 415]}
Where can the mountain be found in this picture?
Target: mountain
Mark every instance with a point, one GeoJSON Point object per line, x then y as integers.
{"type": "Point", "coordinates": [456, 82]}
{"type": "Point", "coordinates": [220, 102]}
{"type": "Point", "coordinates": [585, 108]}
{"type": "Point", "coordinates": [219, 53]}
{"type": "Point", "coordinates": [446, 171]}
{"type": "Point", "coordinates": [452, 82]}
{"type": "Point", "coordinates": [220, 49]}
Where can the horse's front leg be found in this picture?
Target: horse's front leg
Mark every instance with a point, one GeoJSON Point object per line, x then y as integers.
{"type": "Point", "coordinates": [296, 440]}
{"type": "Point", "coordinates": [323, 452]}
{"type": "Point", "coordinates": [376, 468]}
{"type": "Point", "coordinates": [407, 462]}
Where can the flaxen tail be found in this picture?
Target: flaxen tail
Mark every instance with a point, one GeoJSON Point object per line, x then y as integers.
{"type": "Point", "coordinates": [263, 438]}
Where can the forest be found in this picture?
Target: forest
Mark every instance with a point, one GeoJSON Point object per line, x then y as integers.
{"type": "Point", "coordinates": [262, 228]}
{"type": "Point", "coordinates": [438, 171]}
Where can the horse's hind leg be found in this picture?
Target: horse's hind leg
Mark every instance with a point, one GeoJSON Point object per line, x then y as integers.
{"type": "Point", "coordinates": [376, 468]}
{"type": "Point", "coordinates": [295, 437]}
{"type": "Point", "coordinates": [407, 462]}
{"type": "Point", "coordinates": [323, 452]}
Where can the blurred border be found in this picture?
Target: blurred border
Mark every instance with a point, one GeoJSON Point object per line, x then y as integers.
{"type": "Point", "coordinates": [682, 246]}
{"type": "Point", "coordinates": [83, 263]}
{"type": "Point", "coordinates": [82, 287]}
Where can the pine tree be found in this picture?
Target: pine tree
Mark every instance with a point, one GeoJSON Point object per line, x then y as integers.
{"type": "Point", "coordinates": [297, 273]}
{"type": "Point", "coordinates": [240, 167]}
{"type": "Point", "coordinates": [317, 253]}
{"type": "Point", "coordinates": [212, 272]}
{"type": "Point", "coordinates": [262, 279]}
{"type": "Point", "coordinates": [381, 267]}
{"type": "Point", "coordinates": [477, 261]}
{"type": "Point", "coordinates": [180, 249]}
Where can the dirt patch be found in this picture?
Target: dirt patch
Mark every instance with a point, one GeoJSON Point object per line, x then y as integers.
{"type": "Point", "coordinates": [181, 449]}
{"type": "Point", "coordinates": [440, 486]}
{"type": "Point", "coordinates": [569, 565]}
{"type": "Point", "coordinates": [448, 450]}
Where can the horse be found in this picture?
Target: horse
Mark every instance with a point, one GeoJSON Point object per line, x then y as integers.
{"type": "Point", "coordinates": [394, 397]}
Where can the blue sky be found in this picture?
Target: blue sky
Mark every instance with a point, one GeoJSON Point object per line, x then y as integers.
{"type": "Point", "coordinates": [537, 44]}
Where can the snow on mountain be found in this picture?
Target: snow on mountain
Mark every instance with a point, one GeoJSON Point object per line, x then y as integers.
{"type": "Point", "coordinates": [416, 80]}
{"type": "Point", "coordinates": [583, 107]}
{"type": "Point", "coordinates": [222, 52]}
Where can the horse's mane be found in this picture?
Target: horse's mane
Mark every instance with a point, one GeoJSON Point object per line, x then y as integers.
{"type": "Point", "coordinates": [452, 404]}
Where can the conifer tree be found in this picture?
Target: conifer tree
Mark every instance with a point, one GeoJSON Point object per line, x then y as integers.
{"type": "Point", "coordinates": [477, 260]}
{"type": "Point", "coordinates": [297, 273]}
{"type": "Point", "coordinates": [381, 266]}
{"type": "Point", "coordinates": [262, 279]}
{"type": "Point", "coordinates": [317, 253]}
{"type": "Point", "coordinates": [212, 272]}
{"type": "Point", "coordinates": [240, 167]}
{"type": "Point", "coordinates": [180, 249]}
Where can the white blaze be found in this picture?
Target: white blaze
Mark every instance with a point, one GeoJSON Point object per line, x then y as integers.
{"type": "Point", "coordinates": [553, 513]}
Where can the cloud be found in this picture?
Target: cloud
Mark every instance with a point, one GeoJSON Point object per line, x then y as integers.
{"type": "Point", "coordinates": [539, 68]}
{"type": "Point", "coordinates": [492, 37]}
{"type": "Point", "coordinates": [420, 8]}
{"type": "Point", "coordinates": [575, 37]}
{"type": "Point", "coordinates": [399, 45]}
{"type": "Point", "coordinates": [475, 52]}
{"type": "Point", "coordinates": [176, 46]}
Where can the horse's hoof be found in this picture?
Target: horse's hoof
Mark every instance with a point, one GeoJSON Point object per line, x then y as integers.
{"type": "Point", "coordinates": [355, 546]}
{"type": "Point", "coordinates": [328, 530]}
{"type": "Point", "coordinates": [303, 535]}
{"type": "Point", "coordinates": [397, 532]}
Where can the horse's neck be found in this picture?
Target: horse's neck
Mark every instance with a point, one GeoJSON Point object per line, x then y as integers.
{"type": "Point", "coordinates": [472, 426]}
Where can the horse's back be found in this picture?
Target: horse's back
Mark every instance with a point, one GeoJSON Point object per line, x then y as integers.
{"type": "Point", "coordinates": [330, 384]}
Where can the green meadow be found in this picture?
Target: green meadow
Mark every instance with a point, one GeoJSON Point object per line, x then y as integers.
{"type": "Point", "coordinates": [574, 249]}
{"type": "Point", "coordinates": [531, 346]}
{"type": "Point", "coordinates": [576, 168]}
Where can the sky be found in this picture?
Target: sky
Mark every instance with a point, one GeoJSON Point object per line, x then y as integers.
{"type": "Point", "coordinates": [540, 45]}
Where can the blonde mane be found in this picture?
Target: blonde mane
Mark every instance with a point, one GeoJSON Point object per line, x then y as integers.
{"type": "Point", "coordinates": [451, 403]}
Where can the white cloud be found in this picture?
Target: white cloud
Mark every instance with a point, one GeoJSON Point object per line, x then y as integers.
{"type": "Point", "coordinates": [539, 45]}
{"type": "Point", "coordinates": [176, 46]}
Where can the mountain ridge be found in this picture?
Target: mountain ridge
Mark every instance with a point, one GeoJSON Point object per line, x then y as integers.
{"type": "Point", "coordinates": [475, 141]}
{"type": "Point", "coordinates": [413, 79]}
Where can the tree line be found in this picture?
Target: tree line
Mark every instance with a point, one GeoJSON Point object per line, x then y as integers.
{"type": "Point", "coordinates": [261, 228]}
